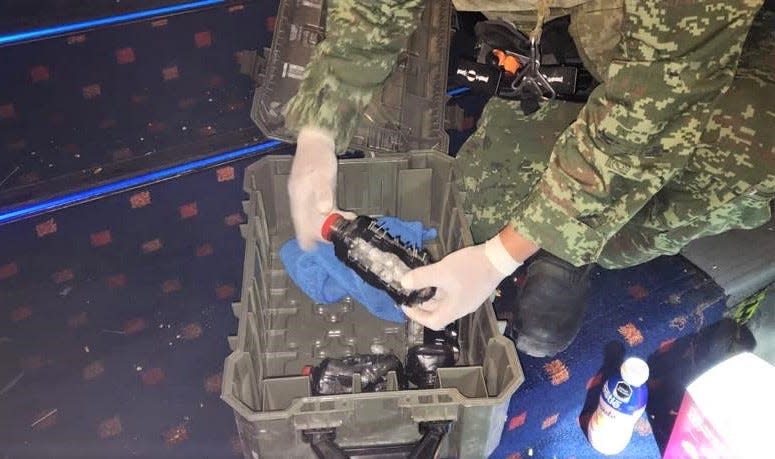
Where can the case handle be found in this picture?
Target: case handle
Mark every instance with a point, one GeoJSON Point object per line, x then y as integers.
{"type": "Point", "coordinates": [323, 444]}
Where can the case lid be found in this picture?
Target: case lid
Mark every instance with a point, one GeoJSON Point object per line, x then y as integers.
{"type": "Point", "coordinates": [406, 114]}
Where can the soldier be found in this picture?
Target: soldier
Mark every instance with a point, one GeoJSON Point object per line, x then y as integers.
{"type": "Point", "coordinates": [675, 143]}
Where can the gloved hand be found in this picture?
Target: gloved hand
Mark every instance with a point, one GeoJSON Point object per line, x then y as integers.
{"type": "Point", "coordinates": [312, 185]}
{"type": "Point", "coordinates": [463, 281]}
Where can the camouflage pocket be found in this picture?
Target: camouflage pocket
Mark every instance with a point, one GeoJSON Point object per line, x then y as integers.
{"type": "Point", "coordinates": [596, 28]}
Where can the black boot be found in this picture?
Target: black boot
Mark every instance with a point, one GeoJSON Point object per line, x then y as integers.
{"type": "Point", "coordinates": [550, 308]}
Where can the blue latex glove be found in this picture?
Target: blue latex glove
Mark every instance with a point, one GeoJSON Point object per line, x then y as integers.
{"type": "Point", "coordinates": [325, 279]}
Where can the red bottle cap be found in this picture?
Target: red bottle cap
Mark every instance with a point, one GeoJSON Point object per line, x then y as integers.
{"type": "Point", "coordinates": [325, 230]}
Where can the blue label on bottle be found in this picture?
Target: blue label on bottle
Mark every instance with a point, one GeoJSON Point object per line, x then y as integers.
{"type": "Point", "coordinates": [623, 397]}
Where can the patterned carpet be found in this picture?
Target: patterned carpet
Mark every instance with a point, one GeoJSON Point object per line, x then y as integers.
{"type": "Point", "coordinates": [113, 323]}
{"type": "Point", "coordinates": [666, 312]}
{"type": "Point", "coordinates": [100, 104]}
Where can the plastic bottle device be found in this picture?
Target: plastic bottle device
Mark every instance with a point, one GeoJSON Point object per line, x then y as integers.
{"type": "Point", "coordinates": [379, 259]}
{"type": "Point", "coordinates": [622, 403]}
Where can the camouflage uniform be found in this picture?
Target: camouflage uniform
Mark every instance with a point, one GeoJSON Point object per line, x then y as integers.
{"type": "Point", "coordinates": [675, 144]}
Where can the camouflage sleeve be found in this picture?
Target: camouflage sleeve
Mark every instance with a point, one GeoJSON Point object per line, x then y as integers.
{"type": "Point", "coordinates": [363, 40]}
{"type": "Point", "coordinates": [639, 127]}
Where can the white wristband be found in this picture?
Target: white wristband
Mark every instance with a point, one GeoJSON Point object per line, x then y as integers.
{"type": "Point", "coordinates": [500, 258]}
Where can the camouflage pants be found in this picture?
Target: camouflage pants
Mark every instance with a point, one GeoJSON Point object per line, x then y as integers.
{"type": "Point", "coordinates": [729, 181]}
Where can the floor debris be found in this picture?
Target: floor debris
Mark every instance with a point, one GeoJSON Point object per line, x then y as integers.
{"type": "Point", "coordinates": [46, 416]}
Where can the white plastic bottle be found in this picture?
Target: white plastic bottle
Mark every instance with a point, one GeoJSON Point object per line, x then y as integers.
{"type": "Point", "coordinates": [622, 403]}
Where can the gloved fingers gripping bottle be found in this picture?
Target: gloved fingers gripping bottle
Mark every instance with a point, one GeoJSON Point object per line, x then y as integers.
{"type": "Point", "coordinates": [622, 402]}
{"type": "Point", "coordinates": [378, 258]}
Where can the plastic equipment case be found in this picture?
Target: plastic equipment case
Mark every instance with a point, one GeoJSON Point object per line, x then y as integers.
{"type": "Point", "coordinates": [405, 173]}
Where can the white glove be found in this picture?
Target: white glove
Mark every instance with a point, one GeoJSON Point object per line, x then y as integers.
{"type": "Point", "coordinates": [463, 281]}
{"type": "Point", "coordinates": [312, 185]}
